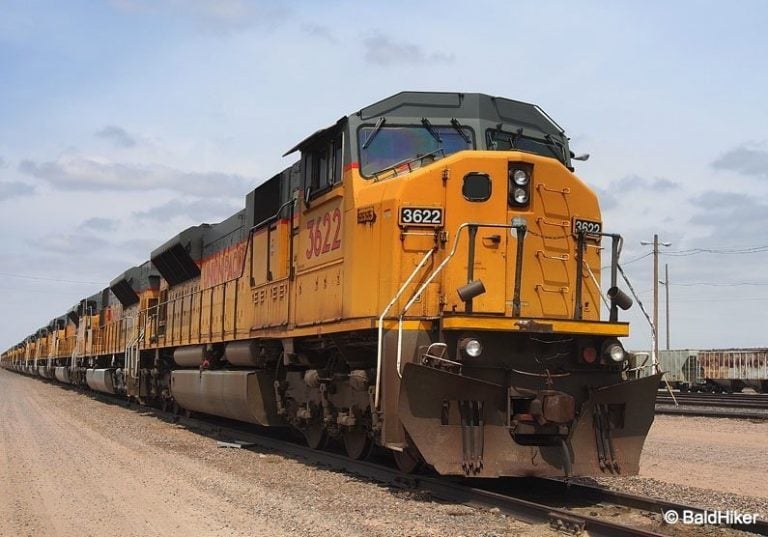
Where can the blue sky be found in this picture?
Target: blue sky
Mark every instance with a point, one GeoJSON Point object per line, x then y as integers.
{"type": "Point", "coordinates": [124, 121]}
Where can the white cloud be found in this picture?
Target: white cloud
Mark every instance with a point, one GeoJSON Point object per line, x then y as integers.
{"type": "Point", "coordinates": [212, 15]}
{"type": "Point", "coordinates": [382, 50]}
{"type": "Point", "coordinates": [99, 224]}
{"type": "Point", "coordinates": [12, 189]}
{"type": "Point", "coordinates": [201, 210]}
{"type": "Point", "coordinates": [118, 135]}
{"type": "Point", "coordinates": [78, 172]}
{"type": "Point", "coordinates": [749, 159]}
{"type": "Point", "coordinates": [319, 31]}
{"type": "Point", "coordinates": [70, 244]}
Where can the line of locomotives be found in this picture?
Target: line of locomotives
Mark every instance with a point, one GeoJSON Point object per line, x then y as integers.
{"type": "Point", "coordinates": [425, 278]}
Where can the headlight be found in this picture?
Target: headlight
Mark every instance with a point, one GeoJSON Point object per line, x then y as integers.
{"type": "Point", "coordinates": [520, 177]}
{"type": "Point", "coordinates": [520, 196]}
{"type": "Point", "coordinates": [614, 351]}
{"type": "Point", "coordinates": [471, 347]}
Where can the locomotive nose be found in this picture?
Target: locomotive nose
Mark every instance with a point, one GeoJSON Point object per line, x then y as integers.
{"type": "Point", "coordinates": [476, 280]}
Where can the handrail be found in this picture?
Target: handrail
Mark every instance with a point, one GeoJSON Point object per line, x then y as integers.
{"type": "Point", "coordinates": [429, 280]}
{"type": "Point", "coordinates": [132, 349]}
{"type": "Point", "coordinates": [380, 348]}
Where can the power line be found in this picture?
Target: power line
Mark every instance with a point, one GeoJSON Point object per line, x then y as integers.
{"type": "Point", "coordinates": [40, 278]}
{"type": "Point", "coordinates": [719, 284]}
{"type": "Point", "coordinates": [709, 284]}
{"type": "Point", "coordinates": [719, 251]}
{"type": "Point", "coordinates": [625, 263]}
{"type": "Point", "coordinates": [47, 292]}
{"type": "Point", "coordinates": [724, 299]}
{"type": "Point", "coordinates": [636, 259]}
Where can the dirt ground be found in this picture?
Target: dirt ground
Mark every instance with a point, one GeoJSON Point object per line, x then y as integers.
{"type": "Point", "coordinates": [726, 455]}
{"type": "Point", "coordinates": [73, 466]}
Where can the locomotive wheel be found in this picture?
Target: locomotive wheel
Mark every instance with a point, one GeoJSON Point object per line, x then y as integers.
{"type": "Point", "coordinates": [357, 443]}
{"type": "Point", "coordinates": [408, 460]}
{"type": "Point", "coordinates": [316, 436]}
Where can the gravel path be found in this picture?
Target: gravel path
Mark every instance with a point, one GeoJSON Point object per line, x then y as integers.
{"type": "Point", "coordinates": [71, 466]}
{"type": "Point", "coordinates": [730, 455]}
{"type": "Point", "coordinates": [718, 463]}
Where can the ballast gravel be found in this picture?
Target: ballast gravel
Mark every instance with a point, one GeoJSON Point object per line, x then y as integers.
{"type": "Point", "coordinates": [73, 466]}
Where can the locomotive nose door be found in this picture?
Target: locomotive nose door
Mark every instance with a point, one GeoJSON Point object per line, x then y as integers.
{"type": "Point", "coordinates": [476, 194]}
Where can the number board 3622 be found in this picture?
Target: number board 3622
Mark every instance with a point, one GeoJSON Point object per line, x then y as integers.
{"type": "Point", "coordinates": [421, 216]}
{"type": "Point", "coordinates": [591, 228]}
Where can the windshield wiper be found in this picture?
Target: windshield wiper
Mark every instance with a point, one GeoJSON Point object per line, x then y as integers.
{"type": "Point", "coordinates": [376, 129]}
{"type": "Point", "coordinates": [516, 137]}
{"type": "Point", "coordinates": [459, 128]}
{"type": "Point", "coordinates": [431, 130]}
{"type": "Point", "coordinates": [407, 162]}
{"type": "Point", "coordinates": [553, 142]}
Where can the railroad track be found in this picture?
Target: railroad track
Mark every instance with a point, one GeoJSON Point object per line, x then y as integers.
{"type": "Point", "coordinates": [735, 405]}
{"type": "Point", "coordinates": [567, 507]}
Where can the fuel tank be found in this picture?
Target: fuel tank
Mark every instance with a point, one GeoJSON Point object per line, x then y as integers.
{"type": "Point", "coordinates": [100, 380]}
{"type": "Point", "coordinates": [243, 354]}
{"type": "Point", "coordinates": [189, 356]}
{"type": "Point", "coordinates": [240, 395]}
{"type": "Point", "coordinates": [62, 374]}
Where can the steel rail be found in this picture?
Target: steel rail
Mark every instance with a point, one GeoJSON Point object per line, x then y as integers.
{"type": "Point", "coordinates": [715, 405]}
{"type": "Point", "coordinates": [649, 504]}
{"type": "Point", "coordinates": [438, 487]}
{"type": "Point", "coordinates": [713, 412]}
{"type": "Point", "coordinates": [719, 400]}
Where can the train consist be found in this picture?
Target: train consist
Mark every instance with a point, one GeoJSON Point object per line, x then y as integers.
{"type": "Point", "coordinates": [717, 371]}
{"type": "Point", "coordinates": [425, 278]}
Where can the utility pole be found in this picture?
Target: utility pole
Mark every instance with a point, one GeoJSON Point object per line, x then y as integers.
{"type": "Point", "coordinates": [655, 333]}
{"type": "Point", "coordinates": [665, 283]}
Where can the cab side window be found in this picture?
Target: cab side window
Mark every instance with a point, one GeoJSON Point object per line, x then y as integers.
{"type": "Point", "coordinates": [322, 166]}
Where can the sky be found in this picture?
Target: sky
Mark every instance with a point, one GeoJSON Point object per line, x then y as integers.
{"type": "Point", "coordinates": [123, 122]}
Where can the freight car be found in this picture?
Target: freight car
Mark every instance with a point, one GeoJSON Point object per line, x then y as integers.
{"type": "Point", "coordinates": [735, 369]}
{"type": "Point", "coordinates": [425, 278]}
{"type": "Point", "coordinates": [681, 369]}
{"type": "Point", "coordinates": [716, 371]}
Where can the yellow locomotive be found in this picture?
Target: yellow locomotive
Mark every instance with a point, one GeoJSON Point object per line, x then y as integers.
{"type": "Point", "coordinates": [426, 278]}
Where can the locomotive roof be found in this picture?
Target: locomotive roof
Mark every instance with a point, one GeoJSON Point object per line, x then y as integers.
{"type": "Point", "coordinates": [176, 259]}
{"type": "Point", "coordinates": [475, 110]}
{"type": "Point", "coordinates": [416, 104]}
{"type": "Point", "coordinates": [135, 279]}
{"type": "Point", "coordinates": [224, 234]}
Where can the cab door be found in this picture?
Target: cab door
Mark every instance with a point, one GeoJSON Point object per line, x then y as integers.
{"type": "Point", "coordinates": [477, 194]}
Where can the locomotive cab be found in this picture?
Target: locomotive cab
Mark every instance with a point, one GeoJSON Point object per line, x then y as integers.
{"type": "Point", "coordinates": [488, 255]}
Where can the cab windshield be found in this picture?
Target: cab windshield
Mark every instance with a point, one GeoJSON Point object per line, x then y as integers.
{"type": "Point", "coordinates": [506, 141]}
{"type": "Point", "coordinates": [388, 147]}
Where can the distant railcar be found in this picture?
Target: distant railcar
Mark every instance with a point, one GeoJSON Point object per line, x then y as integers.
{"type": "Point", "coordinates": [681, 368]}
{"type": "Point", "coordinates": [725, 370]}
{"type": "Point", "coordinates": [735, 369]}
